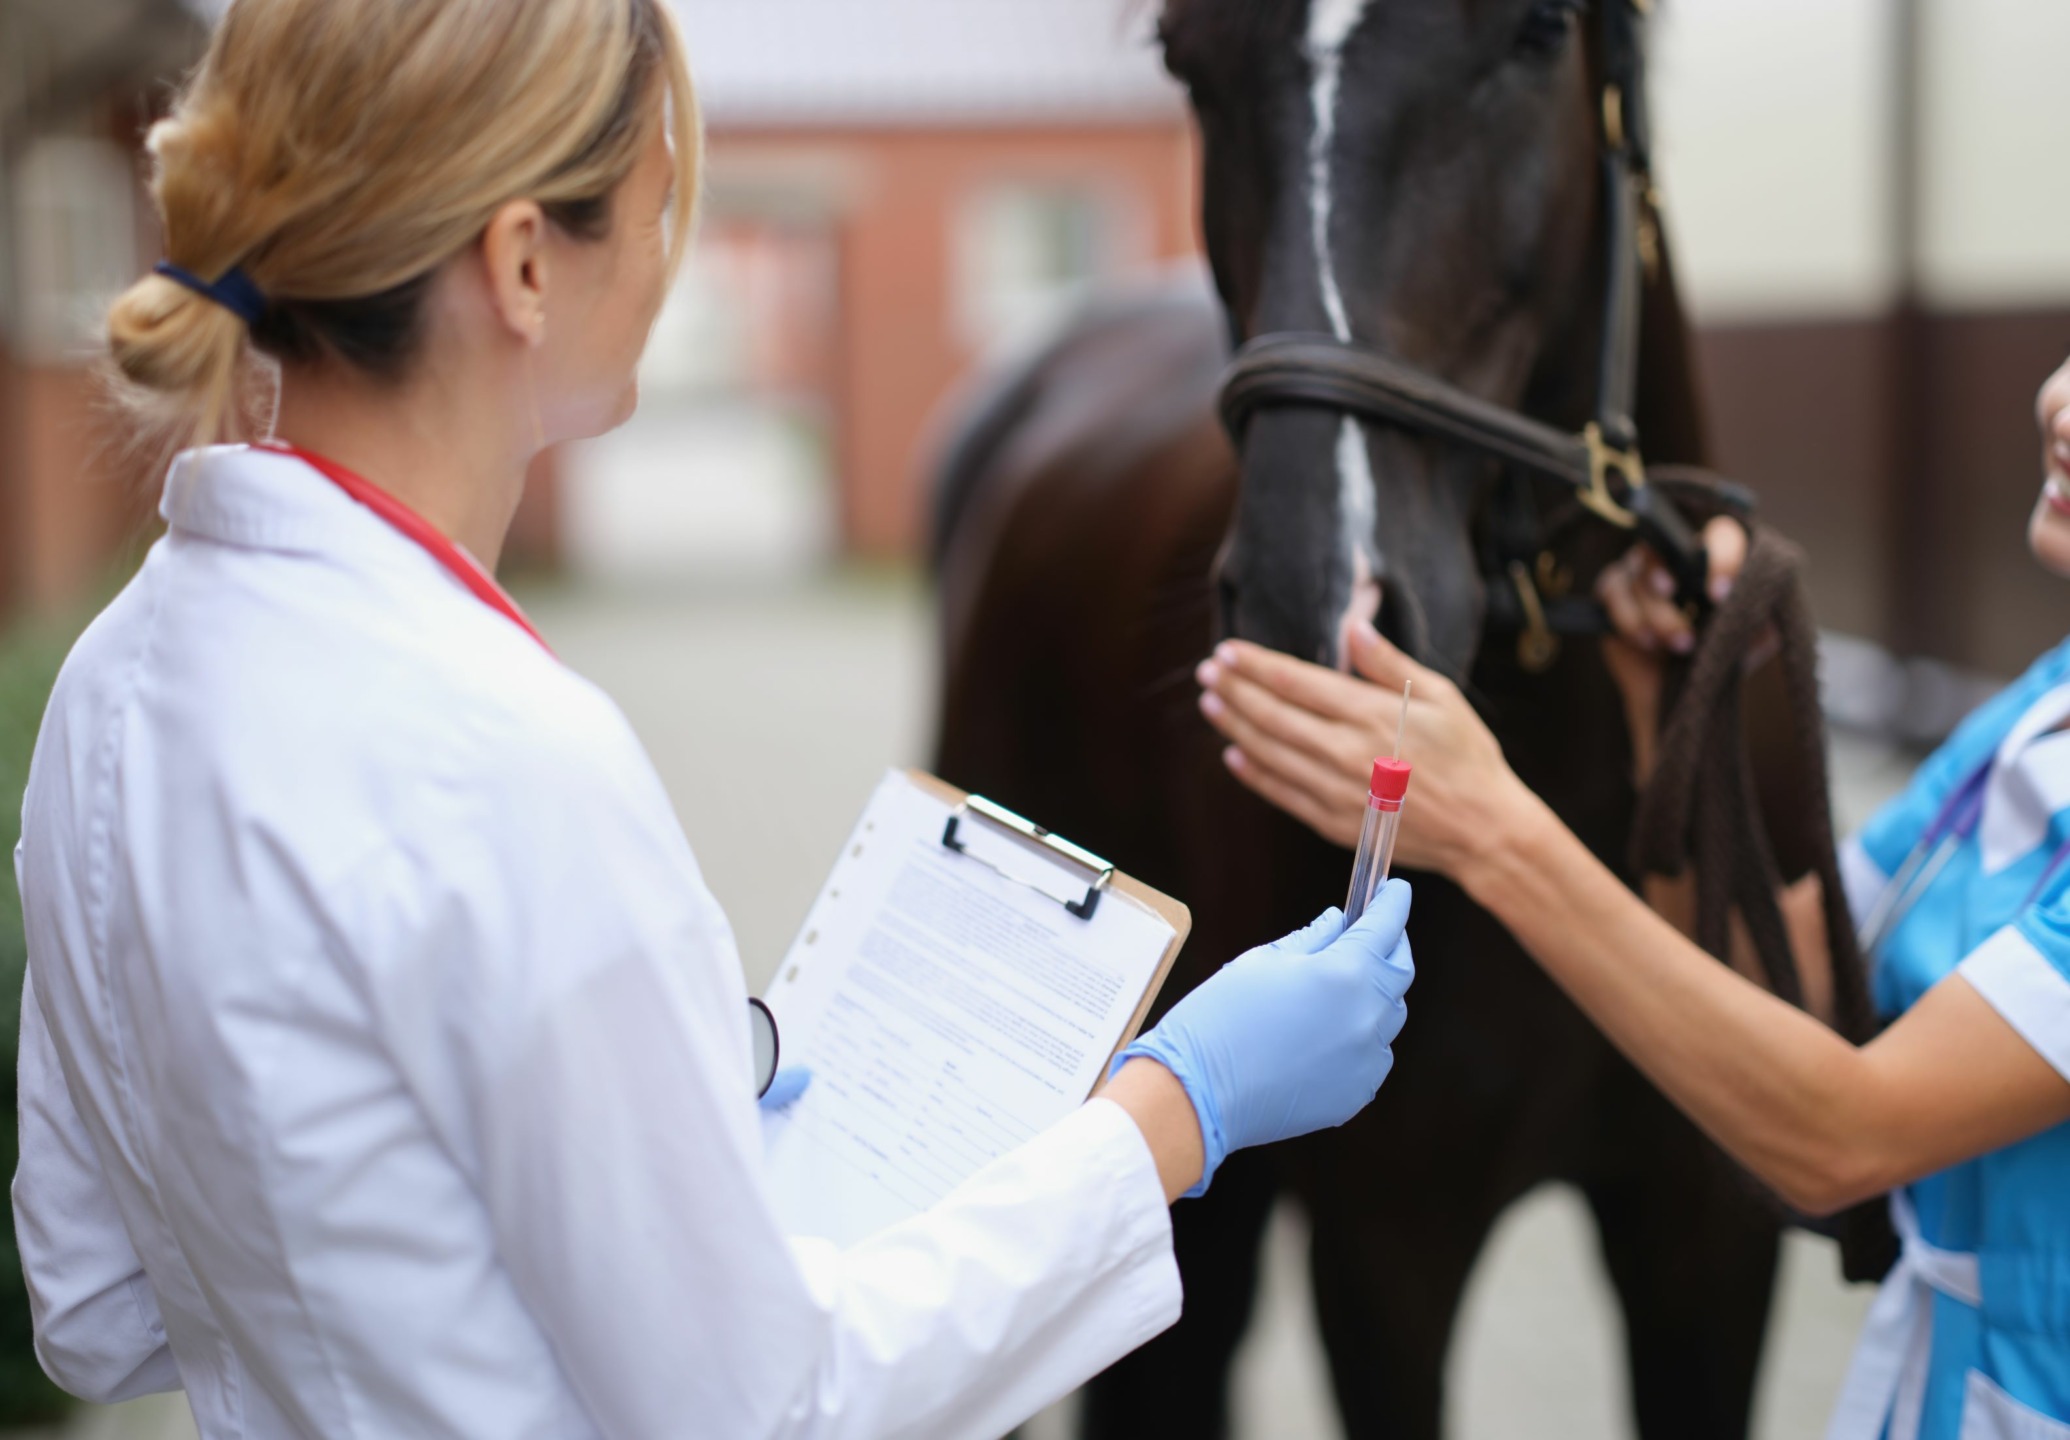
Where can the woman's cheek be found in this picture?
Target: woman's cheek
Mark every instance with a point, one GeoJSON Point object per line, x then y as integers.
{"type": "Point", "coordinates": [2055, 394]}
{"type": "Point", "coordinates": [2048, 535]}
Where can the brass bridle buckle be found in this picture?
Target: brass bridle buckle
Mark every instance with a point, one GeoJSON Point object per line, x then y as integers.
{"type": "Point", "coordinates": [1537, 646]}
{"type": "Point", "coordinates": [1605, 460]}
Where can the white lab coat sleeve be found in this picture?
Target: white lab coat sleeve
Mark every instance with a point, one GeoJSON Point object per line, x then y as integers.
{"type": "Point", "coordinates": [625, 1173]}
{"type": "Point", "coordinates": [596, 1013]}
{"type": "Point", "coordinates": [98, 1330]}
{"type": "Point", "coordinates": [1037, 1273]}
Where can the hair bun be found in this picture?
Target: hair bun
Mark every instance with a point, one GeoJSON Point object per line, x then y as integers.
{"type": "Point", "coordinates": [344, 151]}
{"type": "Point", "coordinates": [179, 354]}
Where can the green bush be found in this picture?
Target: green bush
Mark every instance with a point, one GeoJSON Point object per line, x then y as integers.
{"type": "Point", "coordinates": [29, 660]}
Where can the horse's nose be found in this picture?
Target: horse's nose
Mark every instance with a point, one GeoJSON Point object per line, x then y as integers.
{"type": "Point", "coordinates": [1282, 581]}
{"type": "Point", "coordinates": [1364, 606]}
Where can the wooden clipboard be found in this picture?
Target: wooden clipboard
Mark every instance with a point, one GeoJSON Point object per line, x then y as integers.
{"type": "Point", "coordinates": [1110, 881]}
{"type": "Point", "coordinates": [950, 989]}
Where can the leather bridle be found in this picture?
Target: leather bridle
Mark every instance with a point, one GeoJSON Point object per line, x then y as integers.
{"type": "Point", "coordinates": [1601, 465]}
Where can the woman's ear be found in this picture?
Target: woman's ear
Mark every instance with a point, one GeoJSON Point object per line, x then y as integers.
{"type": "Point", "coordinates": [514, 252]}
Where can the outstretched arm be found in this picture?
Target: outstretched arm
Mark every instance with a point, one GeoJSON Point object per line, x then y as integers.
{"type": "Point", "coordinates": [1822, 1121]}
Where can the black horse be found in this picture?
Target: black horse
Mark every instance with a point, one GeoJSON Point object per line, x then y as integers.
{"type": "Point", "coordinates": [1423, 178]}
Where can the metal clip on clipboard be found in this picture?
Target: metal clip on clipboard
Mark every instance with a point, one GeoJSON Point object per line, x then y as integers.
{"type": "Point", "coordinates": [1027, 833]}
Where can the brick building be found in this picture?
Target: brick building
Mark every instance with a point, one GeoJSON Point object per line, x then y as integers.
{"type": "Point", "coordinates": [1867, 230]}
{"type": "Point", "coordinates": [895, 190]}
{"type": "Point", "coordinates": [76, 80]}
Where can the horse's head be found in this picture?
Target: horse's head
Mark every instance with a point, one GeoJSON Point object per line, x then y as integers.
{"type": "Point", "coordinates": [1420, 176]}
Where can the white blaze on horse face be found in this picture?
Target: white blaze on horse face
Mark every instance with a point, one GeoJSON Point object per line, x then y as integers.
{"type": "Point", "coordinates": [1356, 502]}
{"type": "Point", "coordinates": [1331, 24]}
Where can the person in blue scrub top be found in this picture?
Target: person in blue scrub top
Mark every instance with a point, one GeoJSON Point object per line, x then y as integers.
{"type": "Point", "coordinates": [1960, 1109]}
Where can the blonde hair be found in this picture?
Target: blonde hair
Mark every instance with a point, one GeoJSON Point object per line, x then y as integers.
{"type": "Point", "coordinates": [340, 152]}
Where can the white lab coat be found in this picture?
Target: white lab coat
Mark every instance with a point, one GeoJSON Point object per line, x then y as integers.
{"type": "Point", "coordinates": [385, 1060]}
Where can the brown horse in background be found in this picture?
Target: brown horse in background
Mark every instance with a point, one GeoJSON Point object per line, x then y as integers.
{"type": "Point", "coordinates": [1423, 177]}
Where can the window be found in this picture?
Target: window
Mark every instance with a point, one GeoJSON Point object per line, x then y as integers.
{"type": "Point", "coordinates": [727, 468]}
{"type": "Point", "coordinates": [75, 209]}
{"type": "Point", "coordinates": [1025, 252]}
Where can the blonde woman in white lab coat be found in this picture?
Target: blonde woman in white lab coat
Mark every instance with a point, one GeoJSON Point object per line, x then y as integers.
{"type": "Point", "coordinates": [384, 1060]}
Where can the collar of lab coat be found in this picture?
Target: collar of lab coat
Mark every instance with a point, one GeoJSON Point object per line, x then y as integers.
{"type": "Point", "coordinates": [264, 500]}
{"type": "Point", "coordinates": [268, 500]}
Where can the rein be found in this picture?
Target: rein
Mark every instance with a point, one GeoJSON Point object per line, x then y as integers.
{"type": "Point", "coordinates": [1700, 810]}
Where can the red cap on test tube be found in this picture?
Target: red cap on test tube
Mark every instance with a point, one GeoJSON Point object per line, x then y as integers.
{"type": "Point", "coordinates": [1390, 784]}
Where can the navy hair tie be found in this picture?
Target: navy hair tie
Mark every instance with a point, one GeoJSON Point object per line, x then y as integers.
{"type": "Point", "coordinates": [234, 292]}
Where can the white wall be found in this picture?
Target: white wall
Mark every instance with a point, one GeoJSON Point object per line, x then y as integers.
{"type": "Point", "coordinates": [1997, 229]}
{"type": "Point", "coordinates": [1777, 154]}
{"type": "Point", "coordinates": [75, 245]}
{"type": "Point", "coordinates": [1774, 153]}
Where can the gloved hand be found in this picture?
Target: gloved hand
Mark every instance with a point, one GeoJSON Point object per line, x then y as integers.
{"type": "Point", "coordinates": [1293, 1036]}
{"type": "Point", "coordinates": [784, 1088]}
{"type": "Point", "coordinates": [781, 1099]}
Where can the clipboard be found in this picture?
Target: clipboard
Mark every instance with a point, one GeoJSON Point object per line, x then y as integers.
{"type": "Point", "coordinates": [963, 981]}
{"type": "Point", "coordinates": [1102, 877]}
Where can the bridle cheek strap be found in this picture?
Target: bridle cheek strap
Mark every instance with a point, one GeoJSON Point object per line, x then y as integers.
{"type": "Point", "coordinates": [1323, 372]}
{"type": "Point", "coordinates": [1602, 464]}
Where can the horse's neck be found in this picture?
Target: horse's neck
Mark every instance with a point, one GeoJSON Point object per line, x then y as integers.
{"type": "Point", "coordinates": [1669, 405]}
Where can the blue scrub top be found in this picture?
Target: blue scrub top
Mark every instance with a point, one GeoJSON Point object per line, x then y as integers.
{"type": "Point", "coordinates": [2000, 1368]}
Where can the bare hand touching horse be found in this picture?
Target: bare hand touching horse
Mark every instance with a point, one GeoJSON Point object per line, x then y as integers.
{"type": "Point", "coordinates": [1304, 737]}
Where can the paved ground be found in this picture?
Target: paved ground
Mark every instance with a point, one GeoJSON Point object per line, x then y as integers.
{"type": "Point", "coordinates": [771, 713]}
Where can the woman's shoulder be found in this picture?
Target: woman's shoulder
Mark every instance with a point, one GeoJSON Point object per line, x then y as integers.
{"type": "Point", "coordinates": [2023, 972]}
{"type": "Point", "coordinates": [2048, 671]}
{"type": "Point", "coordinates": [510, 718]}
{"type": "Point", "coordinates": [1896, 827]}
{"type": "Point", "coordinates": [1986, 727]}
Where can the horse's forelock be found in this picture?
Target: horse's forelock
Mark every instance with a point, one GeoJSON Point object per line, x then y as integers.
{"type": "Point", "coordinates": [1231, 18]}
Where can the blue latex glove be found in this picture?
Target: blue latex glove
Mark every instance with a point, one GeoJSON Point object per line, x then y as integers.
{"type": "Point", "coordinates": [1293, 1036]}
{"type": "Point", "coordinates": [780, 1099]}
{"type": "Point", "coordinates": [784, 1088]}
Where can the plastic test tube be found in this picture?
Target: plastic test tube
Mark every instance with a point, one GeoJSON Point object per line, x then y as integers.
{"type": "Point", "coordinates": [1383, 822]}
{"type": "Point", "coordinates": [1384, 799]}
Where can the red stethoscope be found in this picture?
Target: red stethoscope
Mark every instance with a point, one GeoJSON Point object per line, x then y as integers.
{"type": "Point", "coordinates": [456, 561]}
{"type": "Point", "coordinates": [482, 585]}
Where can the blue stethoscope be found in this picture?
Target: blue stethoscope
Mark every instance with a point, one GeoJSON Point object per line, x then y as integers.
{"type": "Point", "coordinates": [1953, 827]}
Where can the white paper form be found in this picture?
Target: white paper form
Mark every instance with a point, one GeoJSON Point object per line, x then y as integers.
{"type": "Point", "coordinates": [947, 1013]}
